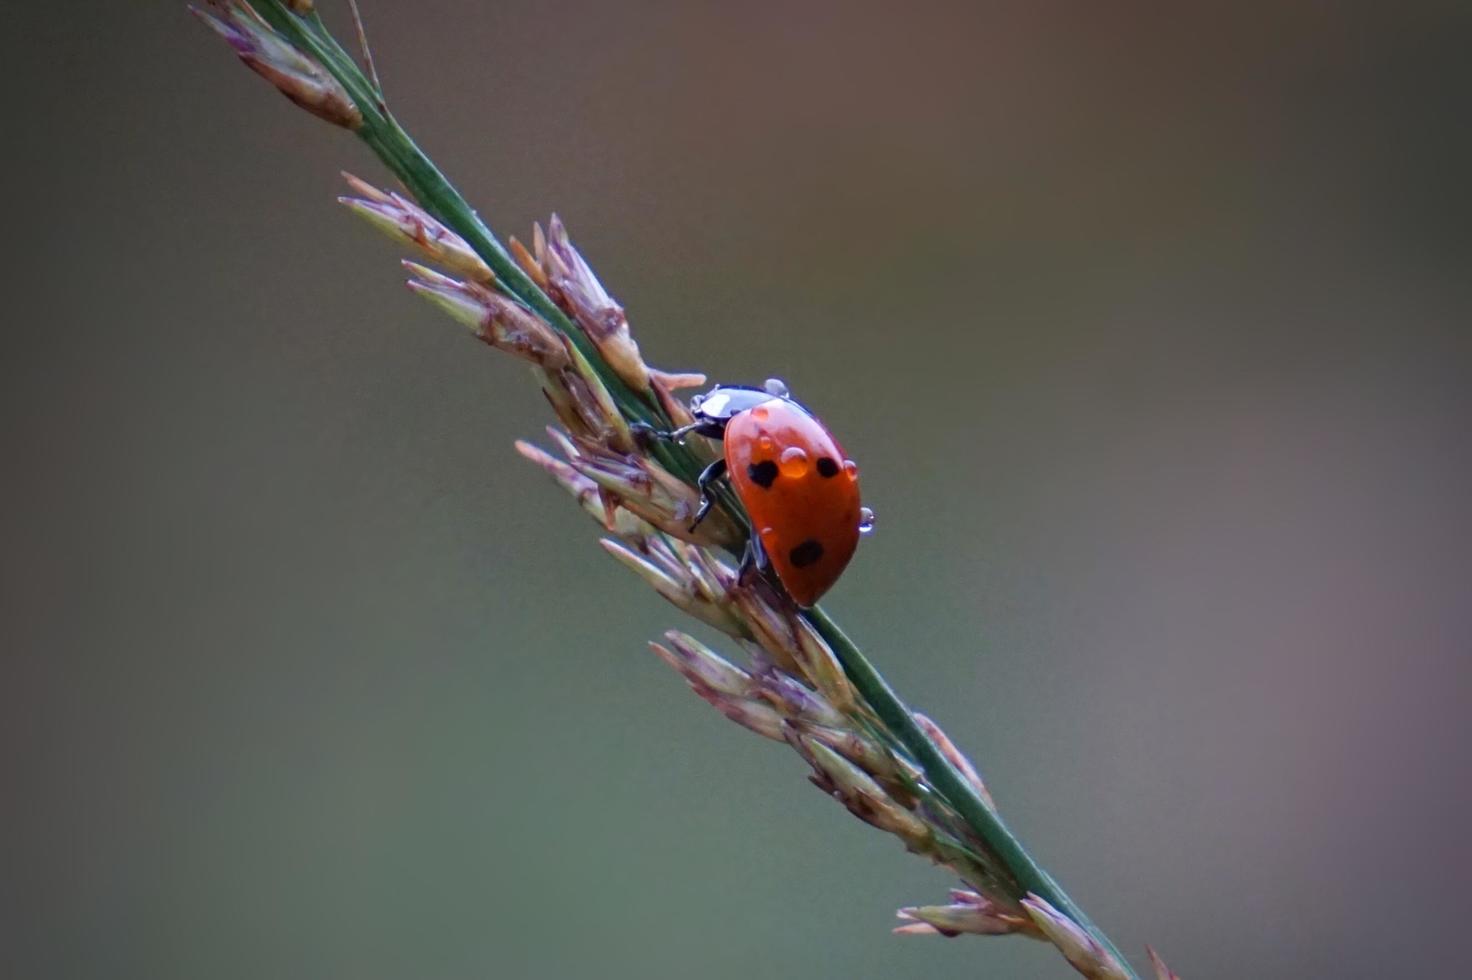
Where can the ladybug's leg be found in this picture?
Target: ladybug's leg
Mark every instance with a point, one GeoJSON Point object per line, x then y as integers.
{"type": "Point", "coordinates": [709, 475]}
{"type": "Point", "coordinates": [753, 558]}
{"type": "Point", "coordinates": [644, 431]}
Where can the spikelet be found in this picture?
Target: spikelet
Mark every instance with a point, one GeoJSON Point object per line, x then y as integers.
{"type": "Point", "coordinates": [295, 75]}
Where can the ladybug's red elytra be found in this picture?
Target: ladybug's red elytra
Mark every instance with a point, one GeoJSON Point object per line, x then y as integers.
{"type": "Point", "coordinates": [798, 487]}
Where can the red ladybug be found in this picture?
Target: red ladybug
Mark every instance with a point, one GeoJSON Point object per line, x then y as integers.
{"type": "Point", "coordinates": [798, 487]}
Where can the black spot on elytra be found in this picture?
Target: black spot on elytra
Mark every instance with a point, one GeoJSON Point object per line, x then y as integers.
{"type": "Point", "coordinates": [827, 467]}
{"type": "Point", "coordinates": [762, 474]}
{"type": "Point", "coordinates": [805, 554]}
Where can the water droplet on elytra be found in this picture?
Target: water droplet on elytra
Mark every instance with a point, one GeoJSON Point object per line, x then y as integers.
{"type": "Point", "coordinates": [760, 413]}
{"type": "Point", "coordinates": [866, 521]}
{"type": "Point", "coordinates": [793, 462]}
{"type": "Point", "coordinates": [851, 468]}
{"type": "Point", "coordinates": [765, 442]}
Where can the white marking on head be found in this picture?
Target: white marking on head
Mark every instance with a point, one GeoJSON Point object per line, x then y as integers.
{"type": "Point", "coordinates": [714, 405]}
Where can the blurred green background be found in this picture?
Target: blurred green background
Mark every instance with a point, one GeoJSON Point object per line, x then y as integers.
{"type": "Point", "coordinates": [1149, 326]}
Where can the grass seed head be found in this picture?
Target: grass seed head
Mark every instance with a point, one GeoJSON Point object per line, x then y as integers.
{"type": "Point", "coordinates": [599, 410]}
{"type": "Point", "coordinates": [1086, 955]}
{"type": "Point", "coordinates": [752, 715]}
{"type": "Point", "coordinates": [822, 668]}
{"type": "Point", "coordinates": [643, 487]}
{"type": "Point", "coordinates": [968, 912]}
{"type": "Point", "coordinates": [955, 757]}
{"type": "Point", "coordinates": [1162, 972]}
{"type": "Point", "coordinates": [408, 224]}
{"type": "Point", "coordinates": [496, 320]}
{"type": "Point", "coordinates": [863, 797]}
{"type": "Point", "coordinates": [565, 276]}
{"type": "Point", "coordinates": [296, 76]}
{"type": "Point", "coordinates": [861, 751]}
{"type": "Point", "coordinates": [678, 588]}
{"type": "Point", "coordinates": [768, 618]}
{"type": "Point", "coordinates": [701, 664]}
{"type": "Point", "coordinates": [795, 700]}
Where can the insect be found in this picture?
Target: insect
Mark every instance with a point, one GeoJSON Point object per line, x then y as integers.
{"type": "Point", "coordinates": [798, 487]}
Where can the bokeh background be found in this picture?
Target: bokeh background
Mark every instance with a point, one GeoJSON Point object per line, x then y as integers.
{"type": "Point", "coordinates": [1149, 326]}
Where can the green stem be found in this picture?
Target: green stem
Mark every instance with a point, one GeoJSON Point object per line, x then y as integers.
{"type": "Point", "coordinates": [951, 785]}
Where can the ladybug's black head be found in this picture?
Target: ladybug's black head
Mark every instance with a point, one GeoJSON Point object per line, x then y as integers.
{"type": "Point", "coordinates": [724, 402]}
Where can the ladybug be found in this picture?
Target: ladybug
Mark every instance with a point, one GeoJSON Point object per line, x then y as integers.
{"type": "Point", "coordinates": [800, 490]}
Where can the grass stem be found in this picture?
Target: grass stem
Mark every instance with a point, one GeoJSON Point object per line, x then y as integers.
{"type": "Point", "coordinates": [437, 195]}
